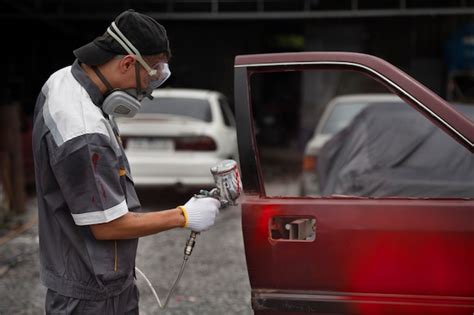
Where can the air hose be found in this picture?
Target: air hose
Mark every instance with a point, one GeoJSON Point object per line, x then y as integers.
{"type": "Point", "coordinates": [187, 252]}
{"type": "Point", "coordinates": [228, 187]}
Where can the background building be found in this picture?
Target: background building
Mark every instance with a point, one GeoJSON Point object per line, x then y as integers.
{"type": "Point", "coordinates": [432, 40]}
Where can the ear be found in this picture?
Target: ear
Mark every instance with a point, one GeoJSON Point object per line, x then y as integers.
{"type": "Point", "coordinates": [127, 63]}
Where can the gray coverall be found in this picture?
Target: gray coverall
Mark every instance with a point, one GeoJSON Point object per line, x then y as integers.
{"type": "Point", "coordinates": [82, 178]}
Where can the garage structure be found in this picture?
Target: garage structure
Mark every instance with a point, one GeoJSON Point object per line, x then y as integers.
{"type": "Point", "coordinates": [207, 34]}
{"type": "Point", "coordinates": [428, 39]}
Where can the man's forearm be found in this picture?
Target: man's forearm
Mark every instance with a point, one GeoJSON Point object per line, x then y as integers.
{"type": "Point", "coordinates": [135, 224]}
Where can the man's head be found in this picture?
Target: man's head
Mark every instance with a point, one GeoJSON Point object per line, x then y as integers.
{"type": "Point", "coordinates": [146, 34]}
{"type": "Point", "coordinates": [132, 53]}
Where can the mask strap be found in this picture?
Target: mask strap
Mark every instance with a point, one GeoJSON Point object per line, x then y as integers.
{"type": "Point", "coordinates": [137, 79]}
{"type": "Point", "coordinates": [102, 78]}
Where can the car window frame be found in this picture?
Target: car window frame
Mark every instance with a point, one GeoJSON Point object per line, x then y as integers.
{"type": "Point", "coordinates": [457, 125]}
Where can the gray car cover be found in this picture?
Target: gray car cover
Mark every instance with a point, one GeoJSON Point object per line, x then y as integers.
{"type": "Point", "coordinates": [392, 150]}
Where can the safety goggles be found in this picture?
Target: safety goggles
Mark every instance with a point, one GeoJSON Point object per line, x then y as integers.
{"type": "Point", "coordinates": [163, 72]}
{"type": "Point", "coordinates": [159, 73]}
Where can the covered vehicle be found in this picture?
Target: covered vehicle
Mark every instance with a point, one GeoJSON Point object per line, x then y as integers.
{"type": "Point", "coordinates": [337, 115]}
{"type": "Point", "coordinates": [391, 150]}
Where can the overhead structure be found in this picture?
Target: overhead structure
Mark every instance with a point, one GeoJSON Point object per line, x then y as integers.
{"type": "Point", "coordinates": [234, 9]}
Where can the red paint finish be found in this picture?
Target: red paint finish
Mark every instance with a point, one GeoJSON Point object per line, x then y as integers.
{"type": "Point", "coordinates": [370, 256]}
{"type": "Point", "coordinates": [438, 261]}
{"type": "Point", "coordinates": [418, 249]}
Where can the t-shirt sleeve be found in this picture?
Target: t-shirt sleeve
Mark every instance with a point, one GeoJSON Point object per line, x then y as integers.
{"type": "Point", "coordinates": [88, 171]}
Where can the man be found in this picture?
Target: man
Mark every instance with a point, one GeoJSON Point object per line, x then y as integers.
{"type": "Point", "coordinates": [88, 220]}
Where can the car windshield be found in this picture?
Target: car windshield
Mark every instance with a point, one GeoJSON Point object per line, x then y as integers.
{"type": "Point", "coordinates": [341, 116]}
{"type": "Point", "coordinates": [181, 106]}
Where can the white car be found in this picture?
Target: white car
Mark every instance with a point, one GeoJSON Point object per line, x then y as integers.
{"type": "Point", "coordinates": [178, 136]}
{"type": "Point", "coordinates": [337, 115]}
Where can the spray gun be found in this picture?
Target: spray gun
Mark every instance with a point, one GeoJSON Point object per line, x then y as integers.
{"type": "Point", "coordinates": [228, 188]}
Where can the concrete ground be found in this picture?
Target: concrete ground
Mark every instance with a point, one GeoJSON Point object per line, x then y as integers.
{"type": "Point", "coordinates": [215, 280]}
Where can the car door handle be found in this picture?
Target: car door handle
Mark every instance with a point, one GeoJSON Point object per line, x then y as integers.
{"type": "Point", "coordinates": [293, 228]}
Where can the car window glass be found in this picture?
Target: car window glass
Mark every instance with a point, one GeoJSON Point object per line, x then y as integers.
{"type": "Point", "coordinates": [226, 113]}
{"type": "Point", "coordinates": [181, 106]}
{"type": "Point", "coordinates": [373, 144]}
{"type": "Point", "coordinates": [341, 115]}
{"type": "Point", "coordinates": [465, 108]}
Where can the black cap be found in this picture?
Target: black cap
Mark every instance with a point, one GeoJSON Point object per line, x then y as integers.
{"type": "Point", "coordinates": [144, 32]}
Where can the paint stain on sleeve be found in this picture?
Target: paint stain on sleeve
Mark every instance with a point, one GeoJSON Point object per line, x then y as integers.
{"type": "Point", "coordinates": [102, 190]}
{"type": "Point", "coordinates": [95, 159]}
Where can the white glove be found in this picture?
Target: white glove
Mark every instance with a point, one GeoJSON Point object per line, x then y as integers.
{"type": "Point", "coordinates": [200, 213]}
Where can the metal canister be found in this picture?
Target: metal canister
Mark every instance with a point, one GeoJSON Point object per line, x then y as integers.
{"type": "Point", "coordinates": [227, 178]}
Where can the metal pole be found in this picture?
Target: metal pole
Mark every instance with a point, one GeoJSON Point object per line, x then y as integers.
{"type": "Point", "coordinates": [215, 6]}
{"type": "Point", "coordinates": [354, 4]}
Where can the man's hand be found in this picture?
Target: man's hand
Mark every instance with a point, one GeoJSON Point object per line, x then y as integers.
{"type": "Point", "coordinates": [200, 213]}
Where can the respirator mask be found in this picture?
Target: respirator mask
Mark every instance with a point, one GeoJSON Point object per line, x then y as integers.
{"type": "Point", "coordinates": [127, 102]}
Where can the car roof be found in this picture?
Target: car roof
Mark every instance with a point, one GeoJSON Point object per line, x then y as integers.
{"type": "Point", "coordinates": [351, 99]}
{"type": "Point", "coordinates": [369, 97]}
{"type": "Point", "coordinates": [358, 98]}
{"type": "Point", "coordinates": [181, 92]}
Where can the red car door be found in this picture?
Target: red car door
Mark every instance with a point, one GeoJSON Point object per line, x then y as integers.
{"type": "Point", "coordinates": [347, 254]}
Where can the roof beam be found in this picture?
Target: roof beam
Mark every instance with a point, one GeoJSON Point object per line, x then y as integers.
{"type": "Point", "coordinates": [258, 15]}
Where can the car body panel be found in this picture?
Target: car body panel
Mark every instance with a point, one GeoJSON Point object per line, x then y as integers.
{"type": "Point", "coordinates": [363, 247]}
{"type": "Point", "coordinates": [369, 255]}
{"type": "Point", "coordinates": [185, 169]}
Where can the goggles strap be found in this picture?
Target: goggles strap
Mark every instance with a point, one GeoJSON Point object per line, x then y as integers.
{"type": "Point", "coordinates": [128, 46]}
